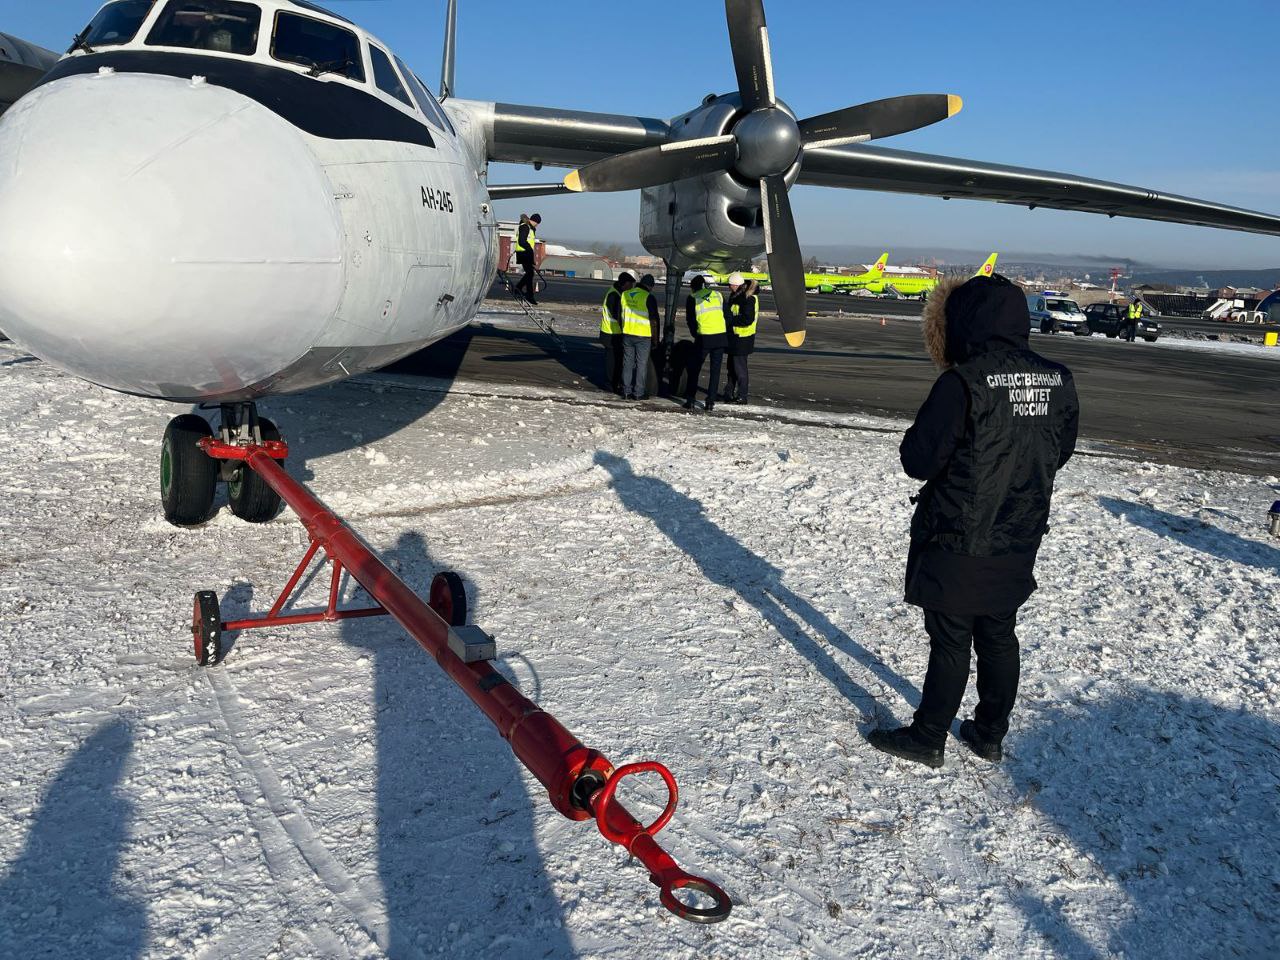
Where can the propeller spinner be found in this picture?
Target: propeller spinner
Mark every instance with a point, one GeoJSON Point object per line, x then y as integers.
{"type": "Point", "coordinates": [762, 146]}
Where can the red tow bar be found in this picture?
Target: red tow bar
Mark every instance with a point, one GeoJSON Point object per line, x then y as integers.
{"type": "Point", "coordinates": [580, 782]}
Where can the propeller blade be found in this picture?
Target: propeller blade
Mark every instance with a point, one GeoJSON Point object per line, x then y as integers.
{"type": "Point", "coordinates": [879, 118]}
{"type": "Point", "coordinates": [749, 41]}
{"type": "Point", "coordinates": [786, 263]}
{"type": "Point", "coordinates": [653, 166]}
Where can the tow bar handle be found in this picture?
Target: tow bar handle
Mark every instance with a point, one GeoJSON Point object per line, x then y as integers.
{"type": "Point", "coordinates": [619, 826]}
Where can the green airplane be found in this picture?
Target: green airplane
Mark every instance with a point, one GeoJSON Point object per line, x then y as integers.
{"type": "Point", "coordinates": [824, 282]}
{"type": "Point", "coordinates": [919, 286]}
{"type": "Point", "coordinates": [873, 280]}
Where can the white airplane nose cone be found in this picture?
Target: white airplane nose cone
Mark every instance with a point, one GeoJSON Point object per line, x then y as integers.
{"type": "Point", "coordinates": [163, 236]}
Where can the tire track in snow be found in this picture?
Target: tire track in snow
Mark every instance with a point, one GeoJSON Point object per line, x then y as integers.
{"type": "Point", "coordinates": [286, 835]}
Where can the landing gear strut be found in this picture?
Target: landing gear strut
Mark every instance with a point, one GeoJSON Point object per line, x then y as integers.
{"type": "Point", "coordinates": [189, 477]}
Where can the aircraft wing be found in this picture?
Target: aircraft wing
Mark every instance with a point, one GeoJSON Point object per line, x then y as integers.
{"type": "Point", "coordinates": [22, 64]}
{"type": "Point", "coordinates": [862, 167]}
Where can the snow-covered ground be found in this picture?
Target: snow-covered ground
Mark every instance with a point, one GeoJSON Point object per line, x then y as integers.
{"type": "Point", "coordinates": [721, 594]}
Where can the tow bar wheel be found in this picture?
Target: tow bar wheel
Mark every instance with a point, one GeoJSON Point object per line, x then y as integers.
{"type": "Point", "coordinates": [206, 628]}
{"type": "Point", "coordinates": [449, 599]}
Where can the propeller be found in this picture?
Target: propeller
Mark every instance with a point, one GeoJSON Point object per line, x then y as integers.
{"type": "Point", "coordinates": [651, 166]}
{"type": "Point", "coordinates": [763, 145]}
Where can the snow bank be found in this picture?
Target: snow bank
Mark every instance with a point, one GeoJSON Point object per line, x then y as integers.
{"type": "Point", "coordinates": [721, 594]}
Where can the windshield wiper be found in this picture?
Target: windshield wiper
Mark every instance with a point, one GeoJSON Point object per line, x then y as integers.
{"type": "Point", "coordinates": [79, 42]}
{"type": "Point", "coordinates": [329, 66]}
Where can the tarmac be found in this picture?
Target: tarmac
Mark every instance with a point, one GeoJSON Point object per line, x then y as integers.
{"type": "Point", "coordinates": [1187, 407]}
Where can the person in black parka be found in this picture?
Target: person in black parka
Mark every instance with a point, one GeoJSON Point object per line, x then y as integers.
{"type": "Point", "coordinates": [997, 426]}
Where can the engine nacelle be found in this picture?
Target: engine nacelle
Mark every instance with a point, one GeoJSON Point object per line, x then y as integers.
{"type": "Point", "coordinates": [714, 220]}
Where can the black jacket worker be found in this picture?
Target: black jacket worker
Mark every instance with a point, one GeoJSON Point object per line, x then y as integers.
{"type": "Point", "coordinates": [526, 254]}
{"type": "Point", "coordinates": [997, 426]}
{"type": "Point", "coordinates": [743, 314]}
{"type": "Point", "coordinates": [611, 330]}
{"type": "Point", "coordinates": [704, 311]}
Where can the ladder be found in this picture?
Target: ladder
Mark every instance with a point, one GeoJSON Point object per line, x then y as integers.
{"type": "Point", "coordinates": [543, 318]}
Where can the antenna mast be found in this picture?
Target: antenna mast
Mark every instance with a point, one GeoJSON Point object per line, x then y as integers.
{"type": "Point", "coordinates": [450, 48]}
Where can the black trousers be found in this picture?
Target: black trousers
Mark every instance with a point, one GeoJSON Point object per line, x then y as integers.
{"type": "Point", "coordinates": [739, 381]}
{"type": "Point", "coordinates": [612, 360]}
{"type": "Point", "coordinates": [950, 639]}
{"type": "Point", "coordinates": [1131, 330]}
{"type": "Point", "coordinates": [525, 285]}
{"type": "Point", "coordinates": [695, 374]}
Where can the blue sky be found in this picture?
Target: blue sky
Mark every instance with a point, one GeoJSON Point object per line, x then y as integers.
{"type": "Point", "coordinates": [1169, 95]}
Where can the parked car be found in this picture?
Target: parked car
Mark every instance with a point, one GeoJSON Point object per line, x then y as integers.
{"type": "Point", "coordinates": [1051, 313]}
{"type": "Point", "coordinates": [1111, 319]}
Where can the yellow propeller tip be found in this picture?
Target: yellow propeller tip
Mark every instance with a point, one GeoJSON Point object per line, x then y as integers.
{"type": "Point", "coordinates": [573, 181]}
{"type": "Point", "coordinates": [795, 338]}
{"type": "Point", "coordinates": [954, 104]}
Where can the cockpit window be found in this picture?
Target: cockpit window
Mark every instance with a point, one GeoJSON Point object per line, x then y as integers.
{"type": "Point", "coordinates": [323, 47]}
{"type": "Point", "coordinates": [225, 26]}
{"type": "Point", "coordinates": [426, 102]}
{"type": "Point", "coordinates": [116, 23]}
{"type": "Point", "coordinates": [384, 75]}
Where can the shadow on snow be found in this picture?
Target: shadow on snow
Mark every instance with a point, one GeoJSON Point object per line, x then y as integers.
{"type": "Point", "coordinates": [726, 562]}
{"type": "Point", "coordinates": [1196, 534]}
{"type": "Point", "coordinates": [1176, 799]}
{"type": "Point", "coordinates": [456, 850]}
{"type": "Point", "coordinates": [60, 897]}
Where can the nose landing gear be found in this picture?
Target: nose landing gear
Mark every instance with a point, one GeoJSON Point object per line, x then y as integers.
{"type": "Point", "coordinates": [189, 477]}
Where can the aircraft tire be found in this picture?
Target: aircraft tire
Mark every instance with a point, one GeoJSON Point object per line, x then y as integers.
{"type": "Point", "coordinates": [248, 495]}
{"type": "Point", "coordinates": [188, 476]}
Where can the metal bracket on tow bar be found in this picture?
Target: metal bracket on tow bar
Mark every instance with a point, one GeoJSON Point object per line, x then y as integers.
{"type": "Point", "coordinates": [471, 644]}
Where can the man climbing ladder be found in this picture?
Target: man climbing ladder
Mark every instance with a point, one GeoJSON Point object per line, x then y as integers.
{"type": "Point", "coordinates": [526, 250]}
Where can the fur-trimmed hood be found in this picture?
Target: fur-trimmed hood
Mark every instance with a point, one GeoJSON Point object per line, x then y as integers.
{"type": "Point", "coordinates": [964, 317]}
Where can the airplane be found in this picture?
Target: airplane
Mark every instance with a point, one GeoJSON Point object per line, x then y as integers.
{"type": "Point", "coordinates": [820, 282]}
{"type": "Point", "coordinates": [921, 285]}
{"type": "Point", "coordinates": [217, 201]}
{"type": "Point", "coordinates": [839, 283]}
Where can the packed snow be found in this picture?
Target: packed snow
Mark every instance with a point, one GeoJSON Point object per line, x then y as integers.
{"type": "Point", "coordinates": [719, 593]}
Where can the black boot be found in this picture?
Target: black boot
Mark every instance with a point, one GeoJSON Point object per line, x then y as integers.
{"type": "Point", "coordinates": [989, 750]}
{"type": "Point", "coordinates": [903, 743]}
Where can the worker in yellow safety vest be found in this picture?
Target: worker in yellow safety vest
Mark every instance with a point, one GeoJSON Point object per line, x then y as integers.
{"type": "Point", "coordinates": [1135, 314]}
{"type": "Point", "coordinates": [611, 330]}
{"type": "Point", "coordinates": [639, 333]}
{"type": "Point", "coordinates": [744, 310]}
{"type": "Point", "coordinates": [704, 312]}
{"type": "Point", "coordinates": [526, 254]}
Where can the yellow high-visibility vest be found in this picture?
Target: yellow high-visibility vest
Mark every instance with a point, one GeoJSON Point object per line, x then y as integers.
{"type": "Point", "coordinates": [635, 313]}
{"type": "Point", "coordinates": [709, 308]}
{"type": "Point", "coordinates": [607, 323]}
{"type": "Point", "coordinates": [532, 243]}
{"type": "Point", "coordinates": [752, 312]}
{"type": "Point", "coordinates": [1135, 311]}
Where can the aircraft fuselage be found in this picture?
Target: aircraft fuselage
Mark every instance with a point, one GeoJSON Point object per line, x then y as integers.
{"type": "Point", "coordinates": [204, 227]}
